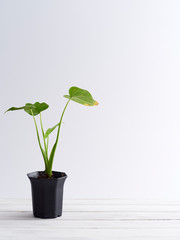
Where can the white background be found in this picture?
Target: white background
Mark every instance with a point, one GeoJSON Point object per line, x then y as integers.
{"type": "Point", "coordinates": [127, 54]}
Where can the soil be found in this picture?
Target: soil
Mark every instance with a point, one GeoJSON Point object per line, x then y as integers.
{"type": "Point", "coordinates": [44, 175]}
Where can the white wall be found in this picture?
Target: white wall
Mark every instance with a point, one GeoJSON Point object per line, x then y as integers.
{"type": "Point", "coordinates": [127, 54]}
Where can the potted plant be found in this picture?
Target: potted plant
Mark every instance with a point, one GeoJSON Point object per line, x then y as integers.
{"type": "Point", "coordinates": [47, 185]}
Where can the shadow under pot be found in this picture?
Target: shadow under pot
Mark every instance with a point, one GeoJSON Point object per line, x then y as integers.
{"type": "Point", "coordinates": [47, 194]}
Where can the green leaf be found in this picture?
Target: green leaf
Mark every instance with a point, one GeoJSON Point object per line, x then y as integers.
{"type": "Point", "coordinates": [36, 108]}
{"type": "Point", "coordinates": [14, 108]}
{"type": "Point", "coordinates": [50, 130]}
{"type": "Point", "coordinates": [81, 96]}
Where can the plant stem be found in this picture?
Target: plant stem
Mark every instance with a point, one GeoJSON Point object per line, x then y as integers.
{"type": "Point", "coordinates": [45, 146]}
{"type": "Point", "coordinates": [55, 144]}
{"type": "Point", "coordinates": [42, 150]}
{"type": "Point", "coordinates": [61, 121]}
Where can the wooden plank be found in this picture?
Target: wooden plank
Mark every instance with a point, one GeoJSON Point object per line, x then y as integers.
{"type": "Point", "coordinates": [26, 215]}
{"type": "Point", "coordinates": [122, 208]}
{"type": "Point", "coordinates": [14, 201]}
{"type": "Point", "coordinates": [98, 208]}
{"type": "Point", "coordinates": [38, 224]}
{"type": "Point", "coordinates": [92, 219]}
{"type": "Point", "coordinates": [27, 237]}
{"type": "Point", "coordinates": [88, 234]}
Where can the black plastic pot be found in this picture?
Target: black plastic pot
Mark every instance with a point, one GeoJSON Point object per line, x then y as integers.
{"type": "Point", "coordinates": [47, 194]}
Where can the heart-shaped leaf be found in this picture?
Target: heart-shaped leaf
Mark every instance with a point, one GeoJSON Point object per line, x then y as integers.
{"type": "Point", "coordinates": [30, 108]}
{"type": "Point", "coordinates": [36, 108]}
{"type": "Point", "coordinates": [81, 96]}
{"type": "Point", "coordinates": [50, 130]}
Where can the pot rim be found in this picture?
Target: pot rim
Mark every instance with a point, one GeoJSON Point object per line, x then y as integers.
{"type": "Point", "coordinates": [33, 175]}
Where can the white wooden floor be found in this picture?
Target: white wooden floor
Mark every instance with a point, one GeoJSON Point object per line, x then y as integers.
{"type": "Point", "coordinates": [92, 220]}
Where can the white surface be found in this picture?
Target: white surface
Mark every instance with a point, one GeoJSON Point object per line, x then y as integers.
{"type": "Point", "coordinates": [92, 219]}
{"type": "Point", "coordinates": [127, 54]}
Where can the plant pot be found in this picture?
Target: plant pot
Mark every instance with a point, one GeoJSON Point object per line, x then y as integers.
{"type": "Point", "coordinates": [47, 194]}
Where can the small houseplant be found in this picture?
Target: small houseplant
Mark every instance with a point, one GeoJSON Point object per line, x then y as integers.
{"type": "Point", "coordinates": [47, 185]}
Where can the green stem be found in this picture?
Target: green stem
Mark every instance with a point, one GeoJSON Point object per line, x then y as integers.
{"type": "Point", "coordinates": [55, 144]}
{"type": "Point", "coordinates": [57, 138]}
{"type": "Point", "coordinates": [45, 146]}
{"type": "Point", "coordinates": [42, 150]}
